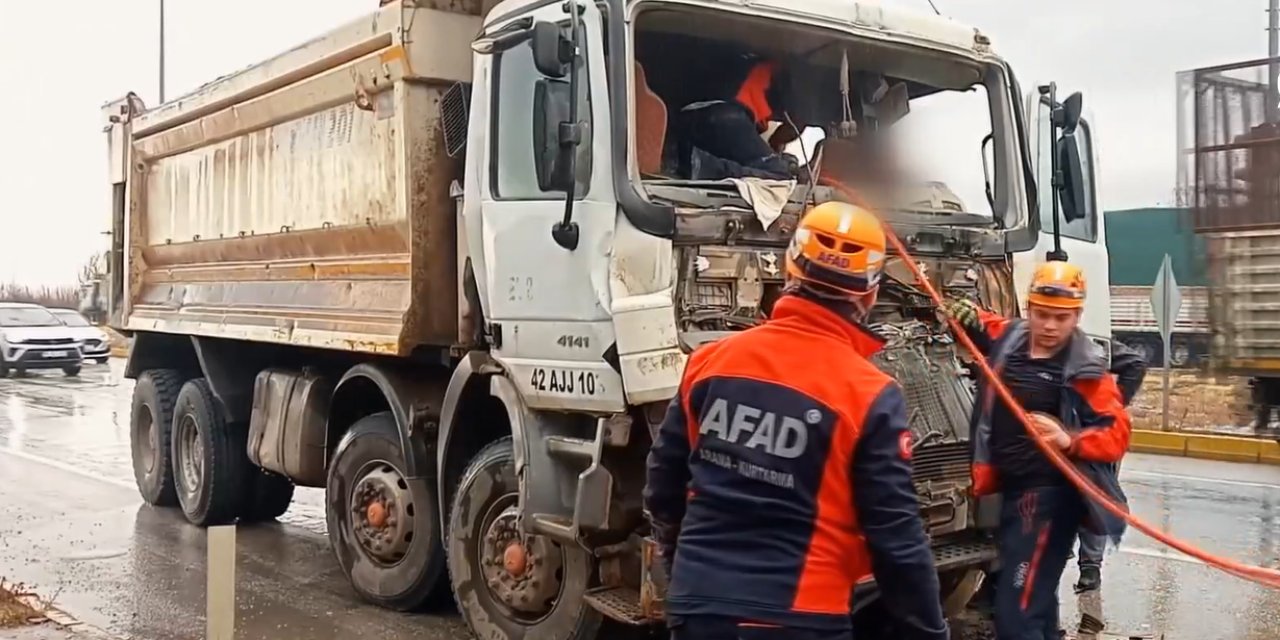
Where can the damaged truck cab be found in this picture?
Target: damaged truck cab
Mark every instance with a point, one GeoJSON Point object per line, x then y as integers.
{"type": "Point", "coordinates": [447, 263]}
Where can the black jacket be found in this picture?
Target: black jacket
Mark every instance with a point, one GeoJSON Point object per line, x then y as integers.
{"type": "Point", "coordinates": [1130, 368]}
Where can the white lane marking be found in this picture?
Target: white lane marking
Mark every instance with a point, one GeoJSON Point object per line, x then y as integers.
{"type": "Point", "coordinates": [1176, 476]}
{"type": "Point", "coordinates": [62, 466]}
{"type": "Point", "coordinates": [1163, 554]}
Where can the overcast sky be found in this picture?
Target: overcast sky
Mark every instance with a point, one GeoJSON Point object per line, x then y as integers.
{"type": "Point", "coordinates": [60, 61]}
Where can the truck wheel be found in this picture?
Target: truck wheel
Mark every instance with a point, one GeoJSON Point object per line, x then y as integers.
{"type": "Point", "coordinates": [510, 585]}
{"type": "Point", "coordinates": [383, 527]}
{"type": "Point", "coordinates": [210, 465]}
{"type": "Point", "coordinates": [71, 371]}
{"type": "Point", "coordinates": [269, 497]}
{"type": "Point", "coordinates": [150, 426]}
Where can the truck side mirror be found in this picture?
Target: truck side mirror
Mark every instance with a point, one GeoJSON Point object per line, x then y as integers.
{"type": "Point", "coordinates": [555, 135]}
{"type": "Point", "coordinates": [1072, 195]}
{"type": "Point", "coordinates": [1071, 109]}
{"type": "Point", "coordinates": [552, 52]}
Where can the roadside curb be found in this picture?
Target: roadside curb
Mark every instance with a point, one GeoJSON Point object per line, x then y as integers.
{"type": "Point", "coordinates": [1206, 447]}
{"type": "Point", "coordinates": [60, 619]}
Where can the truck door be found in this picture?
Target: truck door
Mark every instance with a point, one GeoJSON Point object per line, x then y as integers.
{"type": "Point", "coordinates": [1083, 239]}
{"type": "Point", "coordinates": [546, 306]}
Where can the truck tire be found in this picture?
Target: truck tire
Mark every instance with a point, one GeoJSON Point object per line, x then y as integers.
{"type": "Point", "coordinates": [1180, 353]}
{"type": "Point", "coordinates": [210, 466]}
{"type": "Point", "coordinates": [383, 527]}
{"type": "Point", "coordinates": [269, 497]}
{"type": "Point", "coordinates": [150, 426]}
{"type": "Point", "coordinates": [546, 602]}
{"type": "Point", "coordinates": [71, 371]}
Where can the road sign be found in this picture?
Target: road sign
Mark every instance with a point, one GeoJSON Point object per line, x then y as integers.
{"type": "Point", "coordinates": [1166, 301]}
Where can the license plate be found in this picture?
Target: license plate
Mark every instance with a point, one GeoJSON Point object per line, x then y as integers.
{"type": "Point", "coordinates": [55, 354]}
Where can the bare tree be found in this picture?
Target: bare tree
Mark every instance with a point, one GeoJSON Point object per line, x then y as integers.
{"type": "Point", "coordinates": [68, 297]}
{"type": "Point", "coordinates": [93, 270]}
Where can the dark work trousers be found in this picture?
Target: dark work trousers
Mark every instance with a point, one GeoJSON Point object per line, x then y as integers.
{"type": "Point", "coordinates": [1038, 527]}
{"type": "Point", "coordinates": [1091, 549]}
{"type": "Point", "coordinates": [717, 628]}
{"type": "Point", "coordinates": [1092, 545]}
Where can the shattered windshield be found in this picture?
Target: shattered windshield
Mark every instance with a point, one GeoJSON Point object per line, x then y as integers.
{"type": "Point", "coordinates": [720, 102]}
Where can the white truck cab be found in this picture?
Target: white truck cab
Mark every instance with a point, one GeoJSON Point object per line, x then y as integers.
{"type": "Point", "coordinates": [628, 221]}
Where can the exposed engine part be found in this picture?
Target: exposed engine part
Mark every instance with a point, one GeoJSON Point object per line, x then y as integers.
{"type": "Point", "coordinates": [732, 288]}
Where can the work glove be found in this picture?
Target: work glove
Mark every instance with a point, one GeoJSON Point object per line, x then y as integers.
{"type": "Point", "coordinates": [965, 312]}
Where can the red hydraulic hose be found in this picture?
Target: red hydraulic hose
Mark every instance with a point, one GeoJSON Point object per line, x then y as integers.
{"type": "Point", "coordinates": [1261, 575]}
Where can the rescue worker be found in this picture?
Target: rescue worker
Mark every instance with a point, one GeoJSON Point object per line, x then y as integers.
{"type": "Point", "coordinates": [1060, 379]}
{"type": "Point", "coordinates": [781, 474]}
{"type": "Point", "coordinates": [1130, 369]}
{"type": "Point", "coordinates": [722, 138]}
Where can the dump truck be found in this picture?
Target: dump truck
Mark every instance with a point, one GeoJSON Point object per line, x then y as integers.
{"type": "Point", "coordinates": [447, 261]}
{"type": "Point", "coordinates": [1229, 175]}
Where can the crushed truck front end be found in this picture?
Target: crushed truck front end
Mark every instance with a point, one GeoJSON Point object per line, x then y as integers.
{"type": "Point", "coordinates": [728, 253]}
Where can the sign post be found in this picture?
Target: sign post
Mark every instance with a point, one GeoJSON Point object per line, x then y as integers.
{"type": "Point", "coordinates": [1166, 301]}
{"type": "Point", "coordinates": [220, 597]}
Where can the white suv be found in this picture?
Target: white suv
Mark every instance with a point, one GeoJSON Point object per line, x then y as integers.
{"type": "Point", "coordinates": [94, 343]}
{"type": "Point", "coordinates": [33, 338]}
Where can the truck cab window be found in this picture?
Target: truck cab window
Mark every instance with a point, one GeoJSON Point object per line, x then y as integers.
{"type": "Point", "coordinates": [513, 160]}
{"type": "Point", "coordinates": [733, 93]}
{"type": "Point", "coordinates": [1085, 228]}
{"type": "Point", "coordinates": [940, 141]}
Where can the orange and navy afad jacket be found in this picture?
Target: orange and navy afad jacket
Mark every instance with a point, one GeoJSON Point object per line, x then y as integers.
{"type": "Point", "coordinates": [781, 477]}
{"type": "Point", "coordinates": [1091, 408]}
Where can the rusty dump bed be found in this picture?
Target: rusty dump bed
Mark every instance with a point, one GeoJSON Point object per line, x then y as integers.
{"type": "Point", "coordinates": [304, 200]}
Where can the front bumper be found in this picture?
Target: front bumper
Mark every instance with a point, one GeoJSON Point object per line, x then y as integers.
{"type": "Point", "coordinates": [42, 357]}
{"type": "Point", "coordinates": [95, 349]}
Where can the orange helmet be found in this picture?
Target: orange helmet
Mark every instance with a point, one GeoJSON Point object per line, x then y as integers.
{"type": "Point", "coordinates": [840, 246]}
{"type": "Point", "coordinates": [1059, 285]}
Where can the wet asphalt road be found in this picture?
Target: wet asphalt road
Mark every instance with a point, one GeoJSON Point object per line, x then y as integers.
{"type": "Point", "coordinates": [72, 525]}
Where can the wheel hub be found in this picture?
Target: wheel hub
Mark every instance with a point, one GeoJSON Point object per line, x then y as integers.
{"type": "Point", "coordinates": [192, 463]}
{"type": "Point", "coordinates": [522, 571]}
{"type": "Point", "coordinates": [147, 439]}
{"type": "Point", "coordinates": [382, 511]}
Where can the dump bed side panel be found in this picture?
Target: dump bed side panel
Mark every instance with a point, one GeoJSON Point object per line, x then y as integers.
{"type": "Point", "coordinates": [306, 200]}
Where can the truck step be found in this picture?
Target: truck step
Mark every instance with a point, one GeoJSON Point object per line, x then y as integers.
{"type": "Point", "coordinates": [963, 554]}
{"type": "Point", "coordinates": [619, 603]}
{"type": "Point", "coordinates": [569, 447]}
{"type": "Point", "coordinates": [554, 527]}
